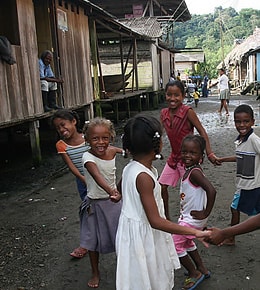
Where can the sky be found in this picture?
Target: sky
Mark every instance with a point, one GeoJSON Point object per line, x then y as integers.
{"type": "Point", "coordinates": [207, 6]}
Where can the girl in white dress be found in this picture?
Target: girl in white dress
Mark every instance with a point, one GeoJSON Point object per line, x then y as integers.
{"type": "Point", "coordinates": [146, 256]}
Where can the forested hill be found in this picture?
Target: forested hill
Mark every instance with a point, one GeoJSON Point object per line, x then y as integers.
{"type": "Point", "coordinates": [216, 33]}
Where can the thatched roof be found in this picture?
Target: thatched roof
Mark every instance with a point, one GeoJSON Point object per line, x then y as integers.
{"type": "Point", "coordinates": [242, 50]}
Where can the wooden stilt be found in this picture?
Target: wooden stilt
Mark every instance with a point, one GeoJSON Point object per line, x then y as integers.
{"type": "Point", "coordinates": [35, 142]}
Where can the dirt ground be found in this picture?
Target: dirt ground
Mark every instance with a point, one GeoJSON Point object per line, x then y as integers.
{"type": "Point", "coordinates": [40, 224]}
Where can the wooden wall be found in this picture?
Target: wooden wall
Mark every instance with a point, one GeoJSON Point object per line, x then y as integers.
{"type": "Point", "coordinates": [166, 69]}
{"type": "Point", "coordinates": [20, 95]}
{"type": "Point", "coordinates": [74, 51]}
{"type": "Point", "coordinates": [147, 63]}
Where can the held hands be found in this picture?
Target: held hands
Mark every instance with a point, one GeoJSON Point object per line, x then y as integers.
{"type": "Point", "coordinates": [214, 159]}
{"type": "Point", "coordinates": [203, 236]}
{"type": "Point", "coordinates": [115, 195]}
{"type": "Point", "coordinates": [216, 236]}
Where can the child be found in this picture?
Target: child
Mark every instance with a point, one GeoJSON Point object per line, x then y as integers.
{"type": "Point", "coordinates": [178, 120]}
{"type": "Point", "coordinates": [71, 148]}
{"type": "Point", "coordinates": [247, 196]}
{"type": "Point", "coordinates": [99, 214]}
{"type": "Point", "coordinates": [146, 257]}
{"type": "Point", "coordinates": [196, 96]}
{"type": "Point", "coordinates": [217, 236]}
{"type": "Point", "coordinates": [197, 197]}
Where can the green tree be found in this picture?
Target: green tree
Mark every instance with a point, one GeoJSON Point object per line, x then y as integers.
{"type": "Point", "coordinates": [215, 33]}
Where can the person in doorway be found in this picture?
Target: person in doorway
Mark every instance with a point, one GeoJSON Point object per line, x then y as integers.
{"type": "Point", "coordinates": [223, 90]}
{"type": "Point", "coordinates": [48, 82]}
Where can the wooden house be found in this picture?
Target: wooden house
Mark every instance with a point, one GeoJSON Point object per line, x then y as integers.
{"type": "Point", "coordinates": [153, 19]}
{"type": "Point", "coordinates": [186, 61]}
{"type": "Point", "coordinates": [69, 29]}
{"type": "Point", "coordinates": [243, 63]}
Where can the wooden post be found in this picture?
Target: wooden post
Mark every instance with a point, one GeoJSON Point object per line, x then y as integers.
{"type": "Point", "coordinates": [94, 56]}
{"type": "Point", "coordinates": [115, 107]}
{"type": "Point", "coordinates": [135, 64]}
{"type": "Point", "coordinates": [122, 63]}
{"type": "Point", "coordinates": [88, 112]}
{"type": "Point", "coordinates": [35, 142]}
{"type": "Point", "coordinates": [128, 108]}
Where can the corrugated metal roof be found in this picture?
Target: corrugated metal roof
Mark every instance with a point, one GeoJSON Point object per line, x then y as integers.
{"type": "Point", "coordinates": [148, 26]}
{"type": "Point", "coordinates": [177, 9]}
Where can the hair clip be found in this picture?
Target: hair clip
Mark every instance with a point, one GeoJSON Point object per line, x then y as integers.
{"type": "Point", "coordinates": [159, 156]}
{"type": "Point", "coordinates": [157, 135]}
{"type": "Point", "coordinates": [87, 122]}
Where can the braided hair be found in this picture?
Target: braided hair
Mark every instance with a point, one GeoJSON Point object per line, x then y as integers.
{"type": "Point", "coordinates": [196, 139]}
{"type": "Point", "coordinates": [142, 134]}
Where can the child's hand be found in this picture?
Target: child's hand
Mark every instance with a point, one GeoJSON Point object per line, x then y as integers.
{"type": "Point", "coordinates": [203, 237]}
{"type": "Point", "coordinates": [218, 161]}
{"type": "Point", "coordinates": [198, 214]}
{"type": "Point", "coordinates": [216, 236]}
{"type": "Point", "coordinates": [204, 242]}
{"type": "Point", "coordinates": [115, 196]}
{"type": "Point", "coordinates": [214, 159]}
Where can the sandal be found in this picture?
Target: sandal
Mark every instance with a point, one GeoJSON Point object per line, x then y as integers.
{"type": "Point", "coordinates": [79, 253]}
{"type": "Point", "coordinates": [192, 282]}
{"type": "Point", "coordinates": [207, 276]}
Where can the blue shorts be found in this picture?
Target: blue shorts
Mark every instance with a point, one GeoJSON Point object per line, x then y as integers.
{"type": "Point", "coordinates": [247, 201]}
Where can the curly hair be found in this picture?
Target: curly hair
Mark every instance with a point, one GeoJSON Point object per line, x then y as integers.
{"type": "Point", "coordinates": [98, 121]}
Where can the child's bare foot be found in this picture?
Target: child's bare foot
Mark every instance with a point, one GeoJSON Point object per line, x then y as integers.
{"type": "Point", "coordinates": [94, 282]}
{"type": "Point", "coordinates": [229, 242]}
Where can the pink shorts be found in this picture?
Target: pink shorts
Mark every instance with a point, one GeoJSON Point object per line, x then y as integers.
{"type": "Point", "coordinates": [184, 243]}
{"type": "Point", "coordinates": [170, 176]}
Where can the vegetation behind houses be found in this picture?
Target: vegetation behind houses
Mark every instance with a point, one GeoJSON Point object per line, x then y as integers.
{"type": "Point", "coordinates": [216, 34]}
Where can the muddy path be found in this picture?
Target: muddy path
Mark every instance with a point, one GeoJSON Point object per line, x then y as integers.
{"type": "Point", "coordinates": [40, 225]}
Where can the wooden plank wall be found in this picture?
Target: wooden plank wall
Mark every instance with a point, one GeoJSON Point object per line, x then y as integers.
{"type": "Point", "coordinates": [20, 96]}
{"type": "Point", "coordinates": [74, 51]}
{"type": "Point", "coordinates": [166, 69]}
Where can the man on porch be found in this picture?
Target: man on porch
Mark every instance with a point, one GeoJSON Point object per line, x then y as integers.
{"type": "Point", "coordinates": [48, 82]}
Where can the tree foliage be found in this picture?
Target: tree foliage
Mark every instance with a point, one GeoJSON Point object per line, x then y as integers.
{"type": "Point", "coordinates": [215, 33]}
